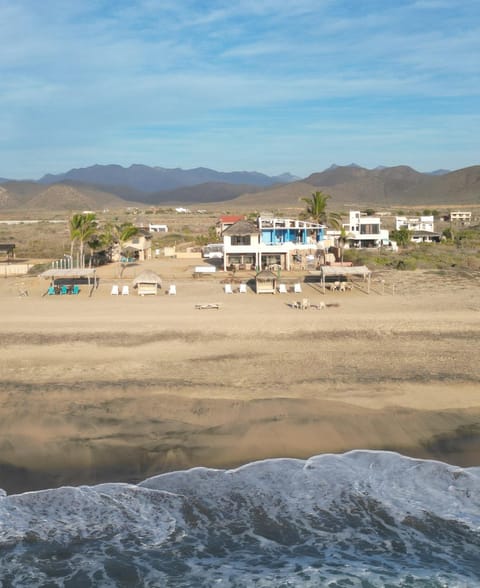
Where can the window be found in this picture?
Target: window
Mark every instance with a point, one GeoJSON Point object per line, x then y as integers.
{"type": "Point", "coordinates": [240, 240]}
{"type": "Point", "coordinates": [369, 229]}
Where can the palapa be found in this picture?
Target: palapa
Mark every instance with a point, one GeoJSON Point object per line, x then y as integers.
{"type": "Point", "coordinates": [147, 283]}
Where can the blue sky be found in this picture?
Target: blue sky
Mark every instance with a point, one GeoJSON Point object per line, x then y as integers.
{"type": "Point", "coordinates": [265, 85]}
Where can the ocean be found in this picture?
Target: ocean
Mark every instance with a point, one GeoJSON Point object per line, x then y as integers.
{"type": "Point", "coordinates": [361, 519]}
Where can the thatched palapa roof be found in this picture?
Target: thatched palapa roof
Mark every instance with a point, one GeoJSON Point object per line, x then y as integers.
{"type": "Point", "coordinates": [265, 276]}
{"type": "Point", "coordinates": [147, 277]}
{"type": "Point", "coordinates": [242, 228]}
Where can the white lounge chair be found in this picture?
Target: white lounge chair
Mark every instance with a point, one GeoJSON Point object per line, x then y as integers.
{"type": "Point", "coordinates": [242, 289]}
{"type": "Point", "coordinates": [228, 289]}
{"type": "Point", "coordinates": [114, 291]}
{"type": "Point", "coordinates": [125, 291]}
{"type": "Point", "coordinates": [172, 290]}
{"type": "Point", "coordinates": [297, 288]}
{"type": "Point", "coordinates": [282, 289]}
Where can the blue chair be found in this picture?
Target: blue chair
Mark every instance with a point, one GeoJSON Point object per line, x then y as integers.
{"type": "Point", "coordinates": [64, 290]}
{"type": "Point", "coordinates": [75, 289]}
{"type": "Point", "coordinates": [51, 291]}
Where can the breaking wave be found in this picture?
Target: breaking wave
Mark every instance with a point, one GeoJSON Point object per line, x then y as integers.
{"type": "Point", "coordinates": [365, 518]}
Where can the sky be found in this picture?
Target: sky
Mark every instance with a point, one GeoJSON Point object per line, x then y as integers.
{"type": "Point", "coordinates": [267, 85]}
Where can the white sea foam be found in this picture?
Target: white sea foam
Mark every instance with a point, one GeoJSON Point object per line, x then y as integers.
{"type": "Point", "coordinates": [364, 518]}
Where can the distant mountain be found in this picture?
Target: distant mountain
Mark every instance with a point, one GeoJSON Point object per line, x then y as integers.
{"type": "Point", "coordinates": [201, 193]}
{"type": "Point", "coordinates": [440, 172]}
{"type": "Point", "coordinates": [154, 179]}
{"type": "Point", "coordinates": [349, 186]}
{"type": "Point", "coordinates": [384, 186]}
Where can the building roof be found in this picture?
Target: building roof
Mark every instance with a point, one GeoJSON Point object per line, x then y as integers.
{"type": "Point", "coordinates": [147, 277]}
{"type": "Point", "coordinates": [265, 276]}
{"type": "Point", "coordinates": [242, 228]}
{"type": "Point", "coordinates": [232, 218]}
{"type": "Point", "coordinates": [8, 247]}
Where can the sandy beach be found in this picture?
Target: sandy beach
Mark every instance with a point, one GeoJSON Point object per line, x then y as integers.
{"type": "Point", "coordinates": [107, 388]}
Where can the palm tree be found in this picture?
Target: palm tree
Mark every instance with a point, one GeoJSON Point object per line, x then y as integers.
{"type": "Point", "coordinates": [82, 226]}
{"type": "Point", "coordinates": [316, 210]}
{"type": "Point", "coordinates": [342, 240]}
{"type": "Point", "coordinates": [116, 234]}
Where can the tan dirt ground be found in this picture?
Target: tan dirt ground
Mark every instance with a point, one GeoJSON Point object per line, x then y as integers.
{"type": "Point", "coordinates": [120, 388]}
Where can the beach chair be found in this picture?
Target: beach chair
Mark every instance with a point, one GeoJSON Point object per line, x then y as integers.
{"type": "Point", "coordinates": [297, 288]}
{"type": "Point", "coordinates": [114, 291]}
{"type": "Point", "coordinates": [63, 290]}
{"type": "Point", "coordinates": [51, 291]}
{"type": "Point", "coordinates": [228, 289]}
{"type": "Point", "coordinates": [242, 289]}
{"type": "Point", "coordinates": [125, 290]}
{"type": "Point", "coordinates": [282, 289]}
{"type": "Point", "coordinates": [172, 290]}
{"type": "Point", "coordinates": [75, 289]}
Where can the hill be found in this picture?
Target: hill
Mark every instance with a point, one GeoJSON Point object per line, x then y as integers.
{"type": "Point", "coordinates": [62, 196]}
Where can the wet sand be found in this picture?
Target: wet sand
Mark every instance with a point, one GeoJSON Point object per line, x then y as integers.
{"type": "Point", "coordinates": [108, 388]}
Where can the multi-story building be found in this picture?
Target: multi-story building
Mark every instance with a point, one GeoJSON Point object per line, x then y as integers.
{"type": "Point", "coordinates": [421, 228]}
{"type": "Point", "coordinates": [461, 217]}
{"type": "Point", "coordinates": [363, 231]}
{"type": "Point", "coordinates": [415, 223]}
{"type": "Point", "coordinates": [276, 243]}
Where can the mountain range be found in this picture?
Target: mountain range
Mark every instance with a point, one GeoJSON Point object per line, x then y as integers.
{"type": "Point", "coordinates": [113, 186]}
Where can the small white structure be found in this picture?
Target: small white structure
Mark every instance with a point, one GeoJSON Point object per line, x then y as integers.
{"type": "Point", "coordinates": [155, 228]}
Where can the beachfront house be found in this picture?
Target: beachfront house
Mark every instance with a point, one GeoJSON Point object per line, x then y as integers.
{"type": "Point", "coordinates": [364, 231]}
{"type": "Point", "coordinates": [273, 243]}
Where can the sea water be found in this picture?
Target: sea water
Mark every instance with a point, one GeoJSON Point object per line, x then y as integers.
{"type": "Point", "coordinates": [364, 518]}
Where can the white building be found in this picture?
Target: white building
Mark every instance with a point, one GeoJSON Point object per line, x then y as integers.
{"type": "Point", "coordinates": [365, 231]}
{"type": "Point", "coordinates": [415, 223]}
{"type": "Point", "coordinates": [461, 217]}
{"type": "Point", "coordinates": [273, 243]}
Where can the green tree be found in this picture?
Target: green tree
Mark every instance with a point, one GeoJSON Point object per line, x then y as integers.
{"type": "Point", "coordinates": [316, 210]}
{"type": "Point", "coordinates": [401, 236]}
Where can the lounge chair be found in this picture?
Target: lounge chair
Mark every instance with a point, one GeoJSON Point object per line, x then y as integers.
{"type": "Point", "coordinates": [114, 291]}
{"type": "Point", "coordinates": [282, 289]}
{"type": "Point", "coordinates": [242, 289]}
{"type": "Point", "coordinates": [172, 290]}
{"type": "Point", "coordinates": [51, 291]}
{"type": "Point", "coordinates": [63, 290]}
{"type": "Point", "coordinates": [297, 288]}
{"type": "Point", "coordinates": [75, 289]}
{"type": "Point", "coordinates": [228, 289]}
{"type": "Point", "coordinates": [125, 290]}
